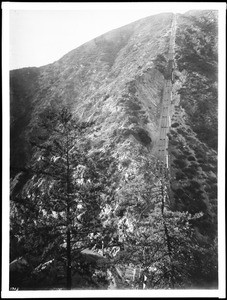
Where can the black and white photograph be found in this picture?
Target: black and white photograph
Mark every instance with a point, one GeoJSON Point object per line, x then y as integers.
{"type": "Point", "coordinates": [113, 149]}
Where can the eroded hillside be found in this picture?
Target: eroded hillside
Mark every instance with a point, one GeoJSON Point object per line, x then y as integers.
{"type": "Point", "coordinates": [115, 84]}
{"type": "Point", "coordinates": [102, 79]}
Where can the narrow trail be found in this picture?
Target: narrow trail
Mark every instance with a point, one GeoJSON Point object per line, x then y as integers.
{"type": "Point", "coordinates": [161, 147]}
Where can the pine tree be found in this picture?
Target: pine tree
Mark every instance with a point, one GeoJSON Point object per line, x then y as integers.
{"type": "Point", "coordinates": [160, 245]}
{"type": "Point", "coordinates": [65, 195]}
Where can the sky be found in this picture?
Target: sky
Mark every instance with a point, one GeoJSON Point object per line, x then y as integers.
{"type": "Point", "coordinates": [41, 33]}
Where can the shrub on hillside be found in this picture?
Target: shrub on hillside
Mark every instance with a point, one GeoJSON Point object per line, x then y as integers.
{"type": "Point", "coordinates": [180, 163]}
{"type": "Point", "coordinates": [191, 158]}
{"type": "Point", "coordinates": [175, 125]}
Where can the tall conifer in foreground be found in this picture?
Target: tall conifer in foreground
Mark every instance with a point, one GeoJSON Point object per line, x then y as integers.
{"type": "Point", "coordinates": [67, 191]}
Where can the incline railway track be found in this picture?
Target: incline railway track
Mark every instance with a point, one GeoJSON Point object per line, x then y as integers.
{"type": "Point", "coordinates": [134, 273]}
{"type": "Point", "coordinates": [161, 148]}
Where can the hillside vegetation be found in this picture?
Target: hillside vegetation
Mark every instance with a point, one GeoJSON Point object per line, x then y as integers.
{"type": "Point", "coordinates": [89, 206]}
{"type": "Point", "coordinates": [193, 137]}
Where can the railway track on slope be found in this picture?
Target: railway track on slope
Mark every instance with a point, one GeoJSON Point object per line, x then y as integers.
{"type": "Point", "coordinates": [161, 148]}
{"type": "Point", "coordinates": [133, 273]}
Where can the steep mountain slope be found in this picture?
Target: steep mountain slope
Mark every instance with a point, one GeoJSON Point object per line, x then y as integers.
{"type": "Point", "coordinates": [194, 124]}
{"type": "Point", "coordinates": [23, 82]}
{"type": "Point", "coordinates": [117, 83]}
{"type": "Point", "coordinates": [95, 79]}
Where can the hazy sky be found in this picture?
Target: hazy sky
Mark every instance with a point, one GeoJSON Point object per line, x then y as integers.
{"type": "Point", "coordinates": [41, 33]}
